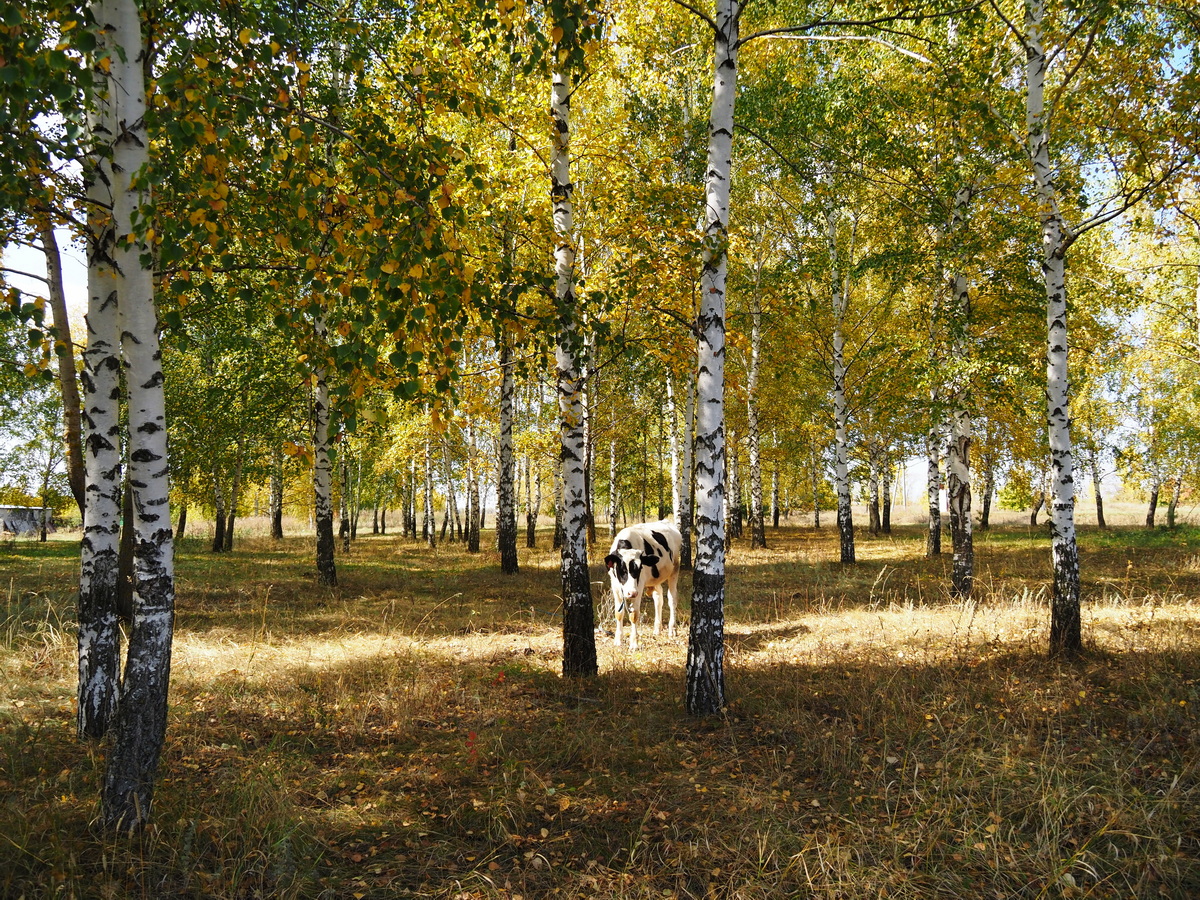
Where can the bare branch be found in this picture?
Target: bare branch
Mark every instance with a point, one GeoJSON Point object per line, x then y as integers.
{"type": "Point", "coordinates": [8, 271]}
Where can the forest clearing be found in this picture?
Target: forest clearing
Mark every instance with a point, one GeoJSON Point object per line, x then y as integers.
{"type": "Point", "coordinates": [372, 265]}
{"type": "Point", "coordinates": [408, 733]}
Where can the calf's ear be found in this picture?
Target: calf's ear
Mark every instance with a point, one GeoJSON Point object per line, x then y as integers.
{"type": "Point", "coordinates": [610, 560]}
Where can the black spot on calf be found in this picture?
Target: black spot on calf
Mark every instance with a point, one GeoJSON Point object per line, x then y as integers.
{"type": "Point", "coordinates": [662, 542]}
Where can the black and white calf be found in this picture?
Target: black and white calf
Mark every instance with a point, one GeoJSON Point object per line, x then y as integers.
{"type": "Point", "coordinates": [641, 557]}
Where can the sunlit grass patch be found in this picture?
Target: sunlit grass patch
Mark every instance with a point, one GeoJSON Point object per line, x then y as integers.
{"type": "Point", "coordinates": [408, 734]}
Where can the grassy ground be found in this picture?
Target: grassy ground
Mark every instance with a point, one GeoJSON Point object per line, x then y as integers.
{"type": "Point", "coordinates": [407, 734]}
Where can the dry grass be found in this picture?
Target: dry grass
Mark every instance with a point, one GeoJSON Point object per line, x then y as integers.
{"type": "Point", "coordinates": [408, 734]}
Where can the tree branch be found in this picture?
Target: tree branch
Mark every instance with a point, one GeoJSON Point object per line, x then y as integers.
{"type": "Point", "coordinates": [1128, 201]}
{"type": "Point", "coordinates": [8, 271]}
{"type": "Point", "coordinates": [851, 23]}
{"type": "Point", "coordinates": [852, 37]}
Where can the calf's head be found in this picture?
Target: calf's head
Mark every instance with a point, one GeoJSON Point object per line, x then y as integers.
{"type": "Point", "coordinates": [629, 569]}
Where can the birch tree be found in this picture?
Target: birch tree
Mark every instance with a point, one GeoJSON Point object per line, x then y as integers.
{"type": "Point", "coordinates": [140, 719]}
{"type": "Point", "coordinates": [705, 688]}
{"type": "Point", "coordinates": [1143, 147]}
{"type": "Point", "coordinates": [839, 298]}
{"type": "Point", "coordinates": [506, 494]}
{"type": "Point", "coordinates": [99, 638]}
{"type": "Point", "coordinates": [322, 465]}
{"type": "Point", "coordinates": [579, 638]}
{"type": "Point", "coordinates": [758, 536]}
{"type": "Point", "coordinates": [958, 466]}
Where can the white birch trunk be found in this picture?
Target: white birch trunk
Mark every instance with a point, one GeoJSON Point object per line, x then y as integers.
{"type": "Point", "coordinates": [506, 501]}
{"type": "Point", "coordinates": [705, 693]}
{"type": "Point", "coordinates": [733, 489]}
{"type": "Point", "coordinates": [456, 527]}
{"type": "Point", "coordinates": [276, 504]}
{"type": "Point", "coordinates": [775, 495]}
{"type": "Point", "coordinates": [686, 476]}
{"type": "Point", "coordinates": [429, 517]}
{"type": "Point", "coordinates": [612, 484]}
{"type": "Point", "coordinates": [814, 470]}
{"type": "Point", "coordinates": [579, 634]}
{"type": "Point", "coordinates": [473, 522]}
{"type": "Point", "coordinates": [235, 493]}
{"type": "Point", "coordinates": [676, 461]}
{"type": "Point", "coordinates": [322, 467]}
{"type": "Point", "coordinates": [530, 506]}
{"type": "Point", "coordinates": [874, 525]}
{"type": "Point", "coordinates": [589, 389]}
{"type": "Point", "coordinates": [139, 726]}
{"type": "Point", "coordinates": [1096, 484]}
{"type": "Point", "coordinates": [758, 532]}
{"type": "Point", "coordinates": [99, 647]}
{"type": "Point", "coordinates": [1173, 503]}
{"type": "Point", "coordinates": [219, 509]}
{"type": "Point", "coordinates": [958, 450]}
{"type": "Point", "coordinates": [841, 416]}
{"type": "Point", "coordinates": [933, 485]}
{"type": "Point", "coordinates": [886, 504]}
{"type": "Point", "coordinates": [1065, 624]}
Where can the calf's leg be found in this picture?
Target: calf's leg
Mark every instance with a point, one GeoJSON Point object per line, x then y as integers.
{"type": "Point", "coordinates": [635, 609]}
{"type": "Point", "coordinates": [672, 590]}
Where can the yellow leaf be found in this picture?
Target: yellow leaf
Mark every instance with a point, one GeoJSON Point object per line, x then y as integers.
{"type": "Point", "coordinates": [245, 36]}
{"type": "Point", "coordinates": [295, 133]}
{"type": "Point", "coordinates": [416, 272]}
{"type": "Point", "coordinates": [390, 267]}
{"type": "Point", "coordinates": [201, 62]}
{"type": "Point", "coordinates": [556, 34]}
{"type": "Point", "coordinates": [275, 48]}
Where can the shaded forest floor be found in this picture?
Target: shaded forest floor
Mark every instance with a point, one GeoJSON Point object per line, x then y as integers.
{"type": "Point", "coordinates": [407, 734]}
